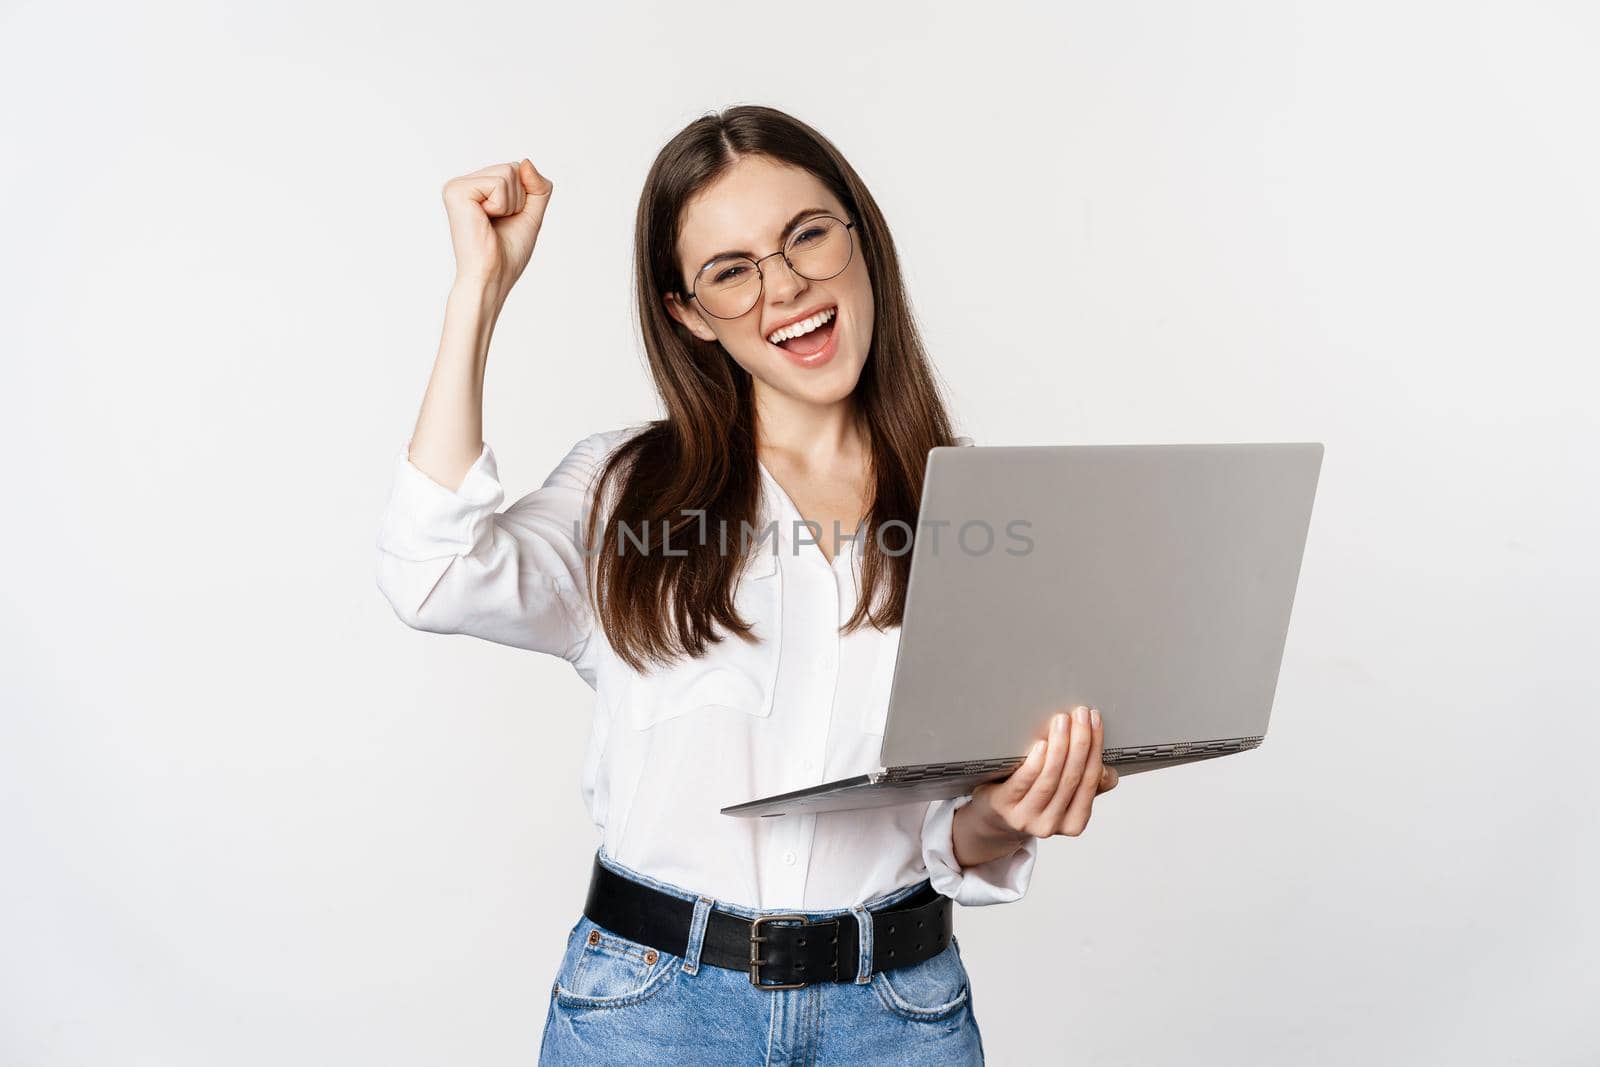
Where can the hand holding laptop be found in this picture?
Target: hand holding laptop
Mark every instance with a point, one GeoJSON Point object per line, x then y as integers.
{"type": "Point", "coordinates": [1051, 793]}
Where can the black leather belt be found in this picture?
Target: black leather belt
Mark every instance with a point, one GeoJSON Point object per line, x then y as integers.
{"type": "Point", "coordinates": [777, 951]}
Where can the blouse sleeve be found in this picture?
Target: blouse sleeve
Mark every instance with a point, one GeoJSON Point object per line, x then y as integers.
{"type": "Point", "coordinates": [449, 562]}
{"type": "Point", "coordinates": [999, 881]}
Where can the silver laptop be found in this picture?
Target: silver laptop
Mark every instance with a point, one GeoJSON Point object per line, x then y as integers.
{"type": "Point", "coordinates": [1153, 582]}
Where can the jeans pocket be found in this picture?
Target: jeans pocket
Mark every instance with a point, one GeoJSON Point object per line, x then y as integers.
{"type": "Point", "coordinates": [602, 970]}
{"type": "Point", "coordinates": [934, 989]}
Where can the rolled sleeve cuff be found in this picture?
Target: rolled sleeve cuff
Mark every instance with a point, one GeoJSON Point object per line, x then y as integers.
{"type": "Point", "coordinates": [424, 520]}
{"type": "Point", "coordinates": [999, 881]}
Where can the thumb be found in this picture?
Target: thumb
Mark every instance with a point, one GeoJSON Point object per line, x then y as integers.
{"type": "Point", "coordinates": [533, 183]}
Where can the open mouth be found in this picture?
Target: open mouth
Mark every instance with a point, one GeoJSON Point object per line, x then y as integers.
{"type": "Point", "coordinates": [807, 337]}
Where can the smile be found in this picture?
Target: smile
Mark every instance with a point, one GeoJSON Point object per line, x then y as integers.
{"type": "Point", "coordinates": [803, 327]}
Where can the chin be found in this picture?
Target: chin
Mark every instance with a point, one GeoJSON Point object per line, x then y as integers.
{"type": "Point", "coordinates": [823, 386]}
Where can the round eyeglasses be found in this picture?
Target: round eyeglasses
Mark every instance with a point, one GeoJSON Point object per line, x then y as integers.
{"type": "Point", "coordinates": [820, 248]}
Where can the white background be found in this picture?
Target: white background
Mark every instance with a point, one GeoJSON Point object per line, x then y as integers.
{"type": "Point", "coordinates": [248, 818]}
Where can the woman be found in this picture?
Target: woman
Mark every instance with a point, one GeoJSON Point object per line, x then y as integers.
{"type": "Point", "coordinates": [686, 569]}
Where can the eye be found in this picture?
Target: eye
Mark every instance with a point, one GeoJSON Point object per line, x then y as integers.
{"type": "Point", "coordinates": [728, 274]}
{"type": "Point", "coordinates": [810, 233]}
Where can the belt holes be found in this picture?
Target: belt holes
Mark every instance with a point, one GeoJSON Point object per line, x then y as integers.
{"type": "Point", "coordinates": [802, 942]}
{"type": "Point", "coordinates": [891, 954]}
{"type": "Point", "coordinates": [891, 928]}
{"type": "Point", "coordinates": [919, 924]}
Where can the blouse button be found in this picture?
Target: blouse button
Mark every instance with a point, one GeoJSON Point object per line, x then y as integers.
{"type": "Point", "coordinates": [788, 857]}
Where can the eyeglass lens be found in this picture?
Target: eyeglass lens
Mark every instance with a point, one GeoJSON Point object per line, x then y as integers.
{"type": "Point", "coordinates": [818, 249]}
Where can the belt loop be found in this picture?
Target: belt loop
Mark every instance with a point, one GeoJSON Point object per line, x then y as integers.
{"type": "Point", "coordinates": [697, 935]}
{"type": "Point", "coordinates": [864, 953]}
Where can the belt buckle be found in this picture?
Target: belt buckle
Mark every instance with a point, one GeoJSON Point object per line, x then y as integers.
{"type": "Point", "coordinates": [755, 951]}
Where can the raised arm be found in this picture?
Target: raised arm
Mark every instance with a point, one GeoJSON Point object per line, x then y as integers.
{"type": "Point", "coordinates": [495, 215]}
{"type": "Point", "coordinates": [449, 561]}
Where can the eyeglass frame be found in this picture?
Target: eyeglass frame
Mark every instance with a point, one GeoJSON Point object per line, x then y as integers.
{"type": "Point", "coordinates": [761, 274]}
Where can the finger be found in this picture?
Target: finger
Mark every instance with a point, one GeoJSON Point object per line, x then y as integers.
{"type": "Point", "coordinates": [1013, 788]}
{"type": "Point", "coordinates": [1072, 772]}
{"type": "Point", "coordinates": [1077, 814]}
{"type": "Point", "coordinates": [519, 195]}
{"type": "Point", "coordinates": [533, 182]}
{"type": "Point", "coordinates": [1030, 809]}
{"type": "Point", "coordinates": [1109, 779]}
{"type": "Point", "coordinates": [510, 183]}
{"type": "Point", "coordinates": [500, 201]}
{"type": "Point", "coordinates": [488, 190]}
{"type": "Point", "coordinates": [475, 188]}
{"type": "Point", "coordinates": [1032, 803]}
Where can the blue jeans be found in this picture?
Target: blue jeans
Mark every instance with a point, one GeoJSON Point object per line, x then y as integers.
{"type": "Point", "coordinates": [616, 1001]}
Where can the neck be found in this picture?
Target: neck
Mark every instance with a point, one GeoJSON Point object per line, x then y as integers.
{"type": "Point", "coordinates": [809, 435]}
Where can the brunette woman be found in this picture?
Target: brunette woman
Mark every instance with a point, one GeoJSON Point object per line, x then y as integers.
{"type": "Point", "coordinates": [717, 575]}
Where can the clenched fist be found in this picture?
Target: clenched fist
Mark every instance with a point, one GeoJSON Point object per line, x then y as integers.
{"type": "Point", "coordinates": [495, 214]}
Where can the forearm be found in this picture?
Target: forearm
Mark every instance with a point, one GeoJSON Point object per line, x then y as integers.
{"type": "Point", "coordinates": [977, 835]}
{"type": "Point", "coordinates": [449, 431]}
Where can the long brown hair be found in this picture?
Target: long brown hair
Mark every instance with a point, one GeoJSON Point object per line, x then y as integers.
{"type": "Point", "coordinates": [701, 458]}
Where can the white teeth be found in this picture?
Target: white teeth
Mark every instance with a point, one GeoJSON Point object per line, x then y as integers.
{"type": "Point", "coordinates": [804, 326]}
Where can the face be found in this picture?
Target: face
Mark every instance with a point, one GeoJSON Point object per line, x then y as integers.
{"type": "Point", "coordinates": [747, 210]}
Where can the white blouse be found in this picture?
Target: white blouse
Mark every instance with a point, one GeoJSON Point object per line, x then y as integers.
{"type": "Point", "coordinates": [670, 747]}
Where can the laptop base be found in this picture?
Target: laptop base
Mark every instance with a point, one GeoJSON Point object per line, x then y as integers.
{"type": "Point", "coordinates": [940, 781]}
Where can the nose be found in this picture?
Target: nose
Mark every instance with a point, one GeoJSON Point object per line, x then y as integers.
{"type": "Point", "coordinates": [781, 282]}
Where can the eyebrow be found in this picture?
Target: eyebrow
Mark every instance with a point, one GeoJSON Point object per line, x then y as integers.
{"type": "Point", "coordinates": [799, 217]}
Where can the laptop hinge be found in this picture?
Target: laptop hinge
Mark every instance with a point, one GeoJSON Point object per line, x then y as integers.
{"type": "Point", "coordinates": [950, 770]}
